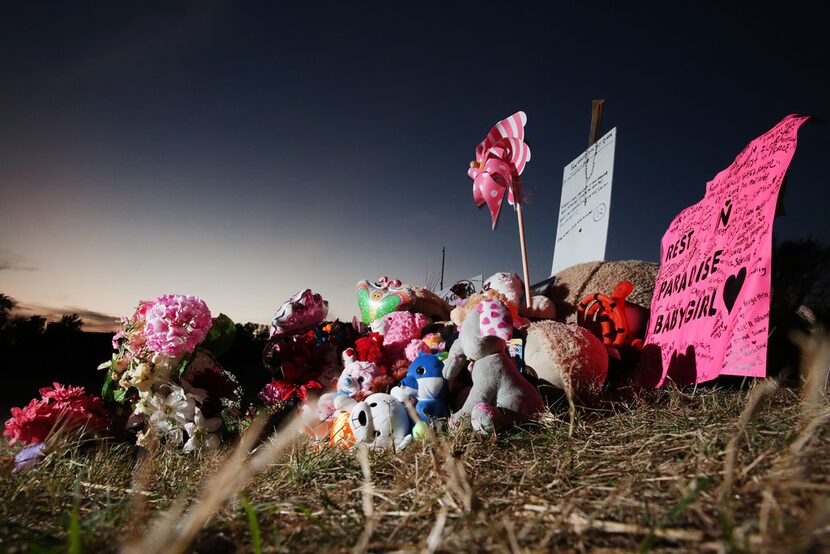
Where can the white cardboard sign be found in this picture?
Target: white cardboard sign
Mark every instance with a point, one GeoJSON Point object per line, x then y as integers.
{"type": "Point", "coordinates": [585, 206]}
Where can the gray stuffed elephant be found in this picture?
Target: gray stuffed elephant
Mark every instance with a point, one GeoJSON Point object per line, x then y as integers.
{"type": "Point", "coordinates": [500, 397]}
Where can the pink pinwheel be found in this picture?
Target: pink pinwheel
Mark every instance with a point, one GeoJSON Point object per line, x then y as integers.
{"type": "Point", "coordinates": [500, 159]}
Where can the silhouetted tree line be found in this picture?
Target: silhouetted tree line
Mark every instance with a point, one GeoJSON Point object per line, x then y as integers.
{"type": "Point", "coordinates": [34, 353]}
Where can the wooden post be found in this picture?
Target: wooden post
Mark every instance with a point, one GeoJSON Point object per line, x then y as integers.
{"type": "Point", "coordinates": [593, 135]}
{"type": "Point", "coordinates": [596, 120]}
{"type": "Point", "coordinates": [524, 249]}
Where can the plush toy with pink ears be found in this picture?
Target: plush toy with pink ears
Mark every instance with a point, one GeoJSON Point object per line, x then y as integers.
{"type": "Point", "coordinates": [500, 397]}
{"type": "Point", "coordinates": [353, 385]}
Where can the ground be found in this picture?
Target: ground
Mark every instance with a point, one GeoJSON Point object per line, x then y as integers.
{"type": "Point", "coordinates": [713, 469]}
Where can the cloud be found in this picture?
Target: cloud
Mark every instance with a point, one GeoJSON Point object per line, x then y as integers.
{"type": "Point", "coordinates": [94, 322]}
{"type": "Point", "coordinates": [12, 261]}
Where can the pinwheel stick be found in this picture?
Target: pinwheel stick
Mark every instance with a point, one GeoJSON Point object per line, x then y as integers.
{"type": "Point", "coordinates": [524, 251]}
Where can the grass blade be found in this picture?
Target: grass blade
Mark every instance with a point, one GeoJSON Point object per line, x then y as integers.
{"type": "Point", "coordinates": [253, 524]}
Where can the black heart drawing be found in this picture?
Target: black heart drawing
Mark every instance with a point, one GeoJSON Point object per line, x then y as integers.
{"type": "Point", "coordinates": [732, 288]}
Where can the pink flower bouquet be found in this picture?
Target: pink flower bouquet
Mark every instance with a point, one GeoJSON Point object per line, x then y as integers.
{"type": "Point", "coordinates": [165, 369]}
{"type": "Point", "coordinates": [60, 407]}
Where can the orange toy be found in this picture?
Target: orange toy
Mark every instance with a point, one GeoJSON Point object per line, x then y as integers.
{"type": "Point", "coordinates": [340, 433]}
{"type": "Point", "coordinates": [609, 312]}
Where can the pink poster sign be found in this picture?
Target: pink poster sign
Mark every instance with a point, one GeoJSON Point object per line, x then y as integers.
{"type": "Point", "coordinates": [710, 309]}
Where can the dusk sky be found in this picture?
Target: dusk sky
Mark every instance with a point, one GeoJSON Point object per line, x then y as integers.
{"type": "Point", "coordinates": [243, 151]}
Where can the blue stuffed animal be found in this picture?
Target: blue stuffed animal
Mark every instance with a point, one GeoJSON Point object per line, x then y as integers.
{"type": "Point", "coordinates": [425, 383]}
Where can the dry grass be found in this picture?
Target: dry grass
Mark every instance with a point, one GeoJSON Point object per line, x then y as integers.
{"type": "Point", "coordinates": [717, 470]}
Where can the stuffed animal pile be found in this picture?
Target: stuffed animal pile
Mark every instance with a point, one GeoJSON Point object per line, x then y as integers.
{"type": "Point", "coordinates": [413, 360]}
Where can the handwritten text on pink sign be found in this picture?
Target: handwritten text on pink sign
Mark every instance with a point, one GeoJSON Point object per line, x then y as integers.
{"type": "Point", "coordinates": [711, 301]}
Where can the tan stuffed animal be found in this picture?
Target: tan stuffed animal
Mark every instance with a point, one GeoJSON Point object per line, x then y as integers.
{"type": "Point", "coordinates": [430, 304]}
{"type": "Point", "coordinates": [573, 283]}
{"type": "Point", "coordinates": [567, 357]}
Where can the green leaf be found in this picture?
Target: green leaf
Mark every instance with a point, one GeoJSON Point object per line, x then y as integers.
{"type": "Point", "coordinates": [183, 365]}
{"type": "Point", "coordinates": [221, 335]}
{"type": "Point", "coordinates": [108, 388]}
{"type": "Point", "coordinates": [119, 395]}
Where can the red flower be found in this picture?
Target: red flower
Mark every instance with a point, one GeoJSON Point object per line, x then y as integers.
{"type": "Point", "coordinates": [29, 424]}
{"type": "Point", "coordinates": [295, 384]}
{"type": "Point", "coordinates": [67, 408]}
{"type": "Point", "coordinates": [61, 393]}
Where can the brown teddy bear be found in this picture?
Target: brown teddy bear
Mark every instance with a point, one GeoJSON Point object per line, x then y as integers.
{"type": "Point", "coordinates": [567, 357]}
{"type": "Point", "coordinates": [573, 283]}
